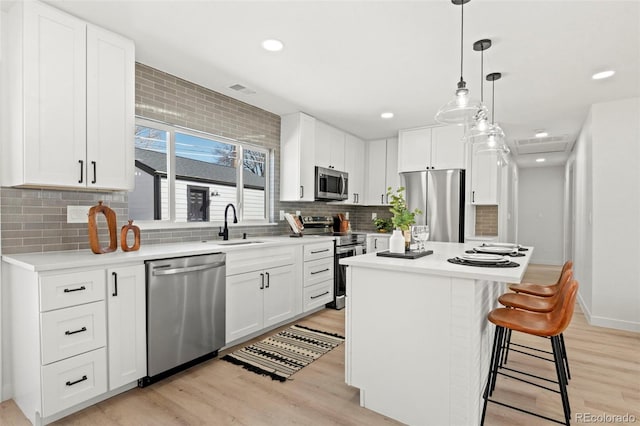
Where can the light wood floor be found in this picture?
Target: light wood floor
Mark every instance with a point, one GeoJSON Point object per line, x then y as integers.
{"type": "Point", "coordinates": [605, 366]}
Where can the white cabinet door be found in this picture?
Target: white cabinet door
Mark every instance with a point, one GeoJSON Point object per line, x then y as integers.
{"type": "Point", "coordinates": [126, 310]}
{"type": "Point", "coordinates": [392, 178]}
{"type": "Point", "coordinates": [54, 96]}
{"type": "Point", "coordinates": [279, 294]}
{"type": "Point", "coordinates": [329, 147]}
{"type": "Point", "coordinates": [414, 149]}
{"type": "Point", "coordinates": [447, 147]}
{"type": "Point", "coordinates": [297, 156]}
{"type": "Point", "coordinates": [110, 110]}
{"type": "Point", "coordinates": [376, 243]}
{"type": "Point", "coordinates": [354, 157]}
{"type": "Point", "coordinates": [484, 178]}
{"type": "Point", "coordinates": [376, 172]}
{"type": "Point", "coordinates": [244, 310]}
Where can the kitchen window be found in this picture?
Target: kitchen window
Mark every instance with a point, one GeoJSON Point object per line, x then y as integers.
{"type": "Point", "coordinates": [184, 175]}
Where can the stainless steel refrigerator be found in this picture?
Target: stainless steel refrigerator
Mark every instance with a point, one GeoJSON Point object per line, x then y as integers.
{"type": "Point", "coordinates": [440, 196]}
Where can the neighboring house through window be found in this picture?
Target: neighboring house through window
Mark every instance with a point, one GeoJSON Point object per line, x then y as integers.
{"type": "Point", "coordinates": [205, 176]}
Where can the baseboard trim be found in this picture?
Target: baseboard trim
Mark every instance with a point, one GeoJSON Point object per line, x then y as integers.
{"type": "Point", "coordinates": [614, 323]}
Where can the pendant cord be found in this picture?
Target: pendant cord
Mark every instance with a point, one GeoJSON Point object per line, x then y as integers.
{"type": "Point", "coordinates": [461, 39]}
{"type": "Point", "coordinates": [493, 101]}
{"type": "Point", "coordinates": [482, 75]}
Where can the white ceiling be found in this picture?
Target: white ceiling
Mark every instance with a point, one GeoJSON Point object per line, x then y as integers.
{"type": "Point", "coordinates": [345, 62]}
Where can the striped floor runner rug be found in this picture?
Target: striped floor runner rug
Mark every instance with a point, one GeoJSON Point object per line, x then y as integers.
{"type": "Point", "coordinates": [286, 352]}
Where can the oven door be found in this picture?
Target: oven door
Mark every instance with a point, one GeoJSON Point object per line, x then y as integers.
{"type": "Point", "coordinates": [340, 282]}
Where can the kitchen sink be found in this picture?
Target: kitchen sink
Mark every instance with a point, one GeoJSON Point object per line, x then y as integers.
{"type": "Point", "coordinates": [235, 242]}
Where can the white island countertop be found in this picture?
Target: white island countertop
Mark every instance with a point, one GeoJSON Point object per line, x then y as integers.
{"type": "Point", "coordinates": [436, 263]}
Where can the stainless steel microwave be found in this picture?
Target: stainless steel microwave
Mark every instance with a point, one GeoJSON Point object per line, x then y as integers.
{"type": "Point", "coordinates": [331, 184]}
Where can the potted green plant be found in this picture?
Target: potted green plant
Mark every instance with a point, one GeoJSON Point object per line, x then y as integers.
{"type": "Point", "coordinates": [402, 218]}
{"type": "Point", "coordinates": [383, 224]}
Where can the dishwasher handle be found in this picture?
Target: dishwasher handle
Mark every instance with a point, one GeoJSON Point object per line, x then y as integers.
{"type": "Point", "coordinates": [174, 271]}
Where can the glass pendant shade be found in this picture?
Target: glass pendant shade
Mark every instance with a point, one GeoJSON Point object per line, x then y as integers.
{"type": "Point", "coordinates": [461, 110]}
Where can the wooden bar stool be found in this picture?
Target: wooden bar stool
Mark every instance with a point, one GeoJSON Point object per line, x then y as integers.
{"type": "Point", "coordinates": [531, 303]}
{"type": "Point", "coordinates": [550, 325]}
{"type": "Point", "coordinates": [542, 290]}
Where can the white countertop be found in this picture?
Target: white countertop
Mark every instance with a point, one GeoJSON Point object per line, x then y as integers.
{"type": "Point", "coordinates": [436, 263]}
{"type": "Point", "coordinates": [50, 261]}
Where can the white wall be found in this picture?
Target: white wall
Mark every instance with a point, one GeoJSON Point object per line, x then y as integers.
{"type": "Point", "coordinates": [607, 209]}
{"type": "Point", "coordinates": [540, 212]}
{"type": "Point", "coordinates": [3, 134]}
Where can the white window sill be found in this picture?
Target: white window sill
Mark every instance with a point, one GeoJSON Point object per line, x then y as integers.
{"type": "Point", "coordinates": [162, 224]}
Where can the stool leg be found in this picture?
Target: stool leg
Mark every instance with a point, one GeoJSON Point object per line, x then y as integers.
{"type": "Point", "coordinates": [559, 363]}
{"type": "Point", "coordinates": [507, 346]}
{"type": "Point", "coordinates": [564, 356]}
{"type": "Point", "coordinates": [501, 331]}
{"type": "Point", "coordinates": [494, 354]}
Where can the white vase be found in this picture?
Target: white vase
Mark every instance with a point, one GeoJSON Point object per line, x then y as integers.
{"type": "Point", "coordinates": [396, 242]}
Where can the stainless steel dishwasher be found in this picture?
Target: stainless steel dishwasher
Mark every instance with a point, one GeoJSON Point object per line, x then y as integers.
{"type": "Point", "coordinates": [185, 313]}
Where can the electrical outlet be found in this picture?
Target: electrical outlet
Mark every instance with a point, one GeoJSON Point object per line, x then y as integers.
{"type": "Point", "coordinates": [78, 214]}
{"type": "Point", "coordinates": [297, 212]}
{"type": "Point", "coordinates": [281, 214]}
{"type": "Point", "coordinates": [374, 216]}
{"type": "Point", "coordinates": [346, 214]}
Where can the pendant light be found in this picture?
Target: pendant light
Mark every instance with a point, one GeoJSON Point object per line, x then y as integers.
{"type": "Point", "coordinates": [495, 134]}
{"type": "Point", "coordinates": [461, 110]}
{"type": "Point", "coordinates": [481, 126]}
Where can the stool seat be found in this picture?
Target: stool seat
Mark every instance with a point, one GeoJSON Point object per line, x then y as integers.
{"type": "Point", "coordinates": [533, 303]}
{"type": "Point", "coordinates": [538, 324]}
{"type": "Point", "coordinates": [542, 290]}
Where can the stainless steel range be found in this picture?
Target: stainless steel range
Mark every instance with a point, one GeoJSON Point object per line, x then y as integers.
{"type": "Point", "coordinates": [347, 244]}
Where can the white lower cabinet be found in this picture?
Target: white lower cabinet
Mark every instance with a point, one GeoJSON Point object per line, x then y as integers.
{"type": "Point", "coordinates": [126, 309]}
{"type": "Point", "coordinates": [75, 335]}
{"type": "Point", "coordinates": [377, 242]}
{"type": "Point", "coordinates": [262, 296]}
{"type": "Point", "coordinates": [318, 275]}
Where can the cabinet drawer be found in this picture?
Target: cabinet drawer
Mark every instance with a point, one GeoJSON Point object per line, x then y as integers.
{"type": "Point", "coordinates": [73, 380]}
{"type": "Point", "coordinates": [317, 271]}
{"type": "Point", "coordinates": [242, 261]}
{"type": "Point", "coordinates": [318, 295]}
{"type": "Point", "coordinates": [72, 331]}
{"type": "Point", "coordinates": [318, 251]}
{"type": "Point", "coordinates": [60, 291]}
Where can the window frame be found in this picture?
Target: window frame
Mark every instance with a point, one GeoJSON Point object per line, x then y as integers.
{"type": "Point", "coordinates": [171, 221]}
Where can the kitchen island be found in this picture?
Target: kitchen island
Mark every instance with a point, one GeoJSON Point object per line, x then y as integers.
{"type": "Point", "coordinates": [417, 337]}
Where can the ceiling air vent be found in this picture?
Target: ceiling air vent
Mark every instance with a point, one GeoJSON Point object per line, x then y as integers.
{"type": "Point", "coordinates": [561, 143]}
{"type": "Point", "coordinates": [243, 89]}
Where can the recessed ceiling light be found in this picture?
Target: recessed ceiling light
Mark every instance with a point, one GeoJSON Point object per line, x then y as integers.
{"type": "Point", "coordinates": [540, 160]}
{"type": "Point", "coordinates": [386, 115]}
{"type": "Point", "coordinates": [603, 74]}
{"type": "Point", "coordinates": [272, 45]}
{"type": "Point", "coordinates": [541, 134]}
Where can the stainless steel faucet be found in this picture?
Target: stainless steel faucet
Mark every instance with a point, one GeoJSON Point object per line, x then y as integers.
{"type": "Point", "coordinates": [224, 233]}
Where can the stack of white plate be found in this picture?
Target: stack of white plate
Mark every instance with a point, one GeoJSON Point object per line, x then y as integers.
{"type": "Point", "coordinates": [482, 258]}
{"type": "Point", "coordinates": [495, 249]}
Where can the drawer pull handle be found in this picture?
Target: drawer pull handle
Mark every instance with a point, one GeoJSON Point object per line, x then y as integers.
{"type": "Point", "coordinates": [261, 281]}
{"type": "Point", "coordinates": [115, 284]}
{"type": "Point", "coordinates": [319, 251]}
{"type": "Point", "coordinates": [268, 279]}
{"type": "Point", "coordinates": [77, 381]}
{"type": "Point", "coordinates": [69, 290]}
{"type": "Point", "coordinates": [69, 333]}
{"type": "Point", "coordinates": [318, 272]}
{"type": "Point", "coordinates": [320, 295]}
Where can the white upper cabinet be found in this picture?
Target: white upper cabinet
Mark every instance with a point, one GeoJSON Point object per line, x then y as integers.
{"type": "Point", "coordinates": [297, 144]}
{"type": "Point", "coordinates": [110, 110]}
{"type": "Point", "coordinates": [424, 148]}
{"type": "Point", "coordinates": [354, 157]}
{"type": "Point", "coordinates": [329, 147]}
{"type": "Point", "coordinates": [71, 113]}
{"type": "Point", "coordinates": [381, 172]}
{"type": "Point", "coordinates": [484, 178]}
